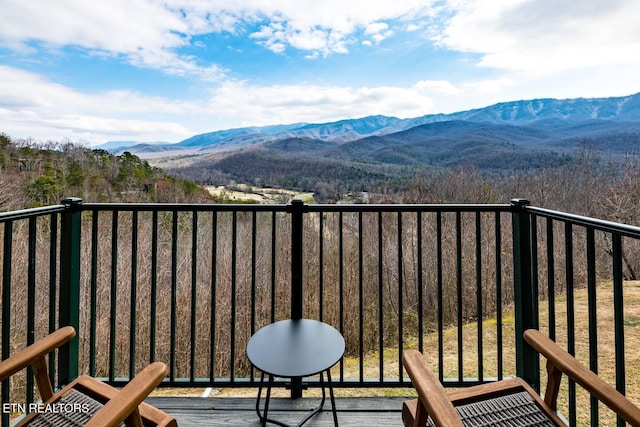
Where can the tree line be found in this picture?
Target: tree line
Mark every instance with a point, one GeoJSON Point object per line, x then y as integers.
{"type": "Point", "coordinates": [36, 174]}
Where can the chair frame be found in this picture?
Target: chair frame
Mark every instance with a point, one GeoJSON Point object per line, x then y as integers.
{"type": "Point", "coordinates": [435, 402]}
{"type": "Point", "coordinates": [125, 405]}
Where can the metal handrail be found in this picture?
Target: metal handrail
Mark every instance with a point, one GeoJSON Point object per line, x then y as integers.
{"type": "Point", "coordinates": [584, 221]}
{"type": "Point", "coordinates": [30, 213]}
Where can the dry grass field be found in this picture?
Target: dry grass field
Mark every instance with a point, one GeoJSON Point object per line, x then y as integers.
{"type": "Point", "coordinates": [247, 193]}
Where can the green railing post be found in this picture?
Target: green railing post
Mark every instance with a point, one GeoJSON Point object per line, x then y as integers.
{"type": "Point", "coordinates": [69, 303]}
{"type": "Point", "coordinates": [525, 294]}
{"type": "Point", "coordinates": [297, 220]}
{"type": "Point", "coordinates": [5, 338]}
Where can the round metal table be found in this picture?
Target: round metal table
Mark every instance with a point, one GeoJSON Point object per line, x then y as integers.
{"type": "Point", "coordinates": [295, 348]}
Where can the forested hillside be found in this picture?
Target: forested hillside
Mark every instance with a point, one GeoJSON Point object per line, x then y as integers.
{"type": "Point", "coordinates": [36, 174]}
{"type": "Point", "coordinates": [368, 163]}
{"type": "Point", "coordinates": [588, 185]}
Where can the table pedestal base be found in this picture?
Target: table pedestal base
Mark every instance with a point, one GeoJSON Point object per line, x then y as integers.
{"type": "Point", "coordinates": [263, 415]}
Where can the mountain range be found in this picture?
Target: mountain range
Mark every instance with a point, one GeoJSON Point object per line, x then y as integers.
{"type": "Point", "coordinates": [506, 136]}
{"type": "Point", "coordinates": [569, 117]}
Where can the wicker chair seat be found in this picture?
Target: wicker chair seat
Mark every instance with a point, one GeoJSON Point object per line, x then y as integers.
{"type": "Point", "coordinates": [69, 418]}
{"type": "Point", "coordinates": [511, 410]}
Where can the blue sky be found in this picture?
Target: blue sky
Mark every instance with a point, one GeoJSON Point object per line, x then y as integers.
{"type": "Point", "coordinates": [154, 70]}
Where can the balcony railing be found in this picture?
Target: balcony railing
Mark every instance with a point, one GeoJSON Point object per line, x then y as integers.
{"type": "Point", "coordinates": [189, 284]}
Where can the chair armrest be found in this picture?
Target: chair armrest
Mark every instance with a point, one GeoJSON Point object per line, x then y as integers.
{"type": "Point", "coordinates": [36, 351]}
{"type": "Point", "coordinates": [129, 397]}
{"type": "Point", "coordinates": [559, 359]}
{"type": "Point", "coordinates": [431, 393]}
{"type": "Point", "coordinates": [103, 392]}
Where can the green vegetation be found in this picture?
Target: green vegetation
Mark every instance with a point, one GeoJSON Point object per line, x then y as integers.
{"type": "Point", "coordinates": [38, 174]}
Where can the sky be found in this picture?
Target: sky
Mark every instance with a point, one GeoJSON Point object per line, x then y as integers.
{"type": "Point", "coordinates": [164, 70]}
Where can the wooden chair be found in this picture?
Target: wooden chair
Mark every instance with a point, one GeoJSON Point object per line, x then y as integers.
{"type": "Point", "coordinates": [507, 399]}
{"type": "Point", "coordinates": [87, 401]}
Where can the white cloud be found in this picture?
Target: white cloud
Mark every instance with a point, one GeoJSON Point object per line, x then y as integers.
{"type": "Point", "coordinates": [330, 26]}
{"type": "Point", "coordinates": [274, 35]}
{"type": "Point", "coordinates": [117, 26]}
{"type": "Point", "coordinates": [545, 36]}
{"type": "Point", "coordinates": [31, 106]}
{"type": "Point", "coordinates": [144, 32]}
{"type": "Point", "coordinates": [376, 28]}
{"type": "Point", "coordinates": [378, 31]}
{"type": "Point", "coordinates": [532, 37]}
{"type": "Point", "coordinates": [262, 105]}
{"type": "Point", "coordinates": [149, 32]}
{"type": "Point", "coordinates": [437, 87]}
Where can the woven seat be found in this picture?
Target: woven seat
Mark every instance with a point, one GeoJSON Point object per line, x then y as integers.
{"type": "Point", "coordinates": [86, 401]}
{"type": "Point", "coordinates": [511, 410]}
{"type": "Point", "coordinates": [73, 399]}
{"type": "Point", "coordinates": [510, 402]}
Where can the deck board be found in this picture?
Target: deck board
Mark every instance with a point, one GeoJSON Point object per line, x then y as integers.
{"type": "Point", "coordinates": [228, 412]}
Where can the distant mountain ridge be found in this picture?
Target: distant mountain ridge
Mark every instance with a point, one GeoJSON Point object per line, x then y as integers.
{"type": "Point", "coordinates": [544, 111]}
{"type": "Point", "coordinates": [625, 108]}
{"type": "Point", "coordinates": [375, 151]}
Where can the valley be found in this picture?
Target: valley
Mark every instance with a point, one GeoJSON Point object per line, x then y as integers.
{"type": "Point", "coordinates": [379, 153]}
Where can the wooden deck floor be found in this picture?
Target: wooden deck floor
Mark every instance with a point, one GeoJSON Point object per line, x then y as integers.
{"type": "Point", "coordinates": [236, 412]}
